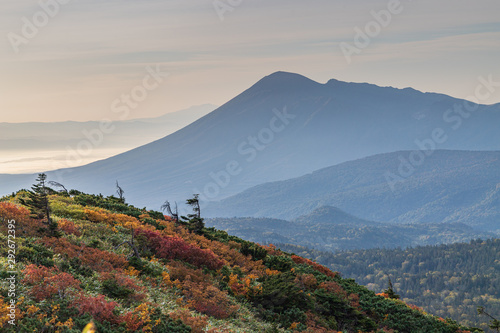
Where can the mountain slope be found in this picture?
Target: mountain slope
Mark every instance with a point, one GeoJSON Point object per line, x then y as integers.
{"type": "Point", "coordinates": [450, 186]}
{"type": "Point", "coordinates": [284, 126]}
{"type": "Point", "coordinates": [28, 147]}
{"type": "Point", "coordinates": [167, 279]}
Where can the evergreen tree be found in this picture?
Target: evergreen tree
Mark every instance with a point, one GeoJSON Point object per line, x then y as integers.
{"type": "Point", "coordinates": [390, 290]}
{"type": "Point", "coordinates": [38, 203]}
{"type": "Point", "coordinates": [194, 221]}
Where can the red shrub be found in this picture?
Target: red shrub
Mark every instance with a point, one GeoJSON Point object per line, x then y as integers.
{"type": "Point", "coordinates": [48, 282]}
{"type": "Point", "coordinates": [169, 247]}
{"type": "Point", "coordinates": [334, 288]}
{"type": "Point", "coordinates": [126, 282]}
{"type": "Point", "coordinates": [98, 260]}
{"type": "Point", "coordinates": [102, 261]}
{"type": "Point", "coordinates": [97, 307]}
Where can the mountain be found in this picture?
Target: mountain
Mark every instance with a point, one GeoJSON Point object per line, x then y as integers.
{"type": "Point", "coordinates": [331, 229]}
{"type": "Point", "coordinates": [450, 280]}
{"type": "Point", "coordinates": [449, 186]}
{"type": "Point", "coordinates": [284, 126]}
{"type": "Point", "coordinates": [131, 270]}
{"type": "Point", "coordinates": [32, 146]}
{"type": "Point", "coordinates": [328, 215]}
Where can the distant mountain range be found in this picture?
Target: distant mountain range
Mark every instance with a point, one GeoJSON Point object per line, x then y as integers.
{"type": "Point", "coordinates": [331, 229]}
{"type": "Point", "coordinates": [285, 126]}
{"type": "Point", "coordinates": [36, 146]}
{"type": "Point", "coordinates": [450, 186]}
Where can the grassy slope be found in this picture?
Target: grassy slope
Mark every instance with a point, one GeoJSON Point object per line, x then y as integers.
{"type": "Point", "coordinates": [183, 282]}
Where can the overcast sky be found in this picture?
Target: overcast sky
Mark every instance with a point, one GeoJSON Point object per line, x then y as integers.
{"type": "Point", "coordinates": [91, 52]}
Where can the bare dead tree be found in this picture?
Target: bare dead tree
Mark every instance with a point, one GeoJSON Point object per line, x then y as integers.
{"type": "Point", "coordinates": [59, 185]}
{"type": "Point", "coordinates": [494, 323]}
{"type": "Point", "coordinates": [175, 214]}
{"type": "Point", "coordinates": [120, 192]}
{"type": "Point", "coordinates": [132, 245]}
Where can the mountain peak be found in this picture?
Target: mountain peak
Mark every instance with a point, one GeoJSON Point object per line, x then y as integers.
{"type": "Point", "coordinates": [285, 81]}
{"type": "Point", "coordinates": [330, 215]}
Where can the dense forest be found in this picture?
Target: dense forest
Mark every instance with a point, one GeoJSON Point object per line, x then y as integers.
{"type": "Point", "coordinates": [85, 258]}
{"type": "Point", "coordinates": [446, 280]}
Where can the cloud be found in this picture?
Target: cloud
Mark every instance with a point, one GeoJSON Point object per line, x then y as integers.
{"type": "Point", "coordinates": [93, 51]}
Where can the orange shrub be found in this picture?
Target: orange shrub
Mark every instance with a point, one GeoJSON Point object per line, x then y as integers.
{"type": "Point", "coordinates": [197, 323]}
{"type": "Point", "coordinates": [306, 281]}
{"type": "Point", "coordinates": [25, 225]}
{"type": "Point", "coordinates": [208, 299]}
{"type": "Point", "coordinates": [179, 271]}
{"type": "Point", "coordinates": [69, 227]}
{"type": "Point", "coordinates": [137, 318]}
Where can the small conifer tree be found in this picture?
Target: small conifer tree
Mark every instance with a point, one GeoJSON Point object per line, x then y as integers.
{"type": "Point", "coordinates": [38, 203]}
{"type": "Point", "coordinates": [390, 290]}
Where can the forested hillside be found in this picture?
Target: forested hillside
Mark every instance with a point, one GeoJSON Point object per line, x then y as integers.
{"type": "Point", "coordinates": [334, 233]}
{"type": "Point", "coordinates": [447, 280]}
{"type": "Point", "coordinates": [82, 258]}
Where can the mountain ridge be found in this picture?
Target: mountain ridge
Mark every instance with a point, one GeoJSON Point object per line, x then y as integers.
{"type": "Point", "coordinates": [431, 194]}
{"type": "Point", "coordinates": [252, 137]}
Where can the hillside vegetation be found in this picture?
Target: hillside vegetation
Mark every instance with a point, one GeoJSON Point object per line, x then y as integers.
{"type": "Point", "coordinates": [131, 270]}
{"type": "Point", "coordinates": [447, 280]}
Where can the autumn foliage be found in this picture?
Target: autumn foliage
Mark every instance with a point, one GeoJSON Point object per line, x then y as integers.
{"type": "Point", "coordinates": [316, 266]}
{"type": "Point", "coordinates": [98, 307]}
{"type": "Point", "coordinates": [175, 280]}
{"type": "Point", "coordinates": [169, 247]}
{"type": "Point", "coordinates": [98, 260]}
{"type": "Point", "coordinates": [48, 282]}
{"type": "Point", "coordinates": [25, 225]}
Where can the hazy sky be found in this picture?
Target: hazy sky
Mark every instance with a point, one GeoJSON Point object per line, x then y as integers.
{"type": "Point", "coordinates": [79, 62]}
